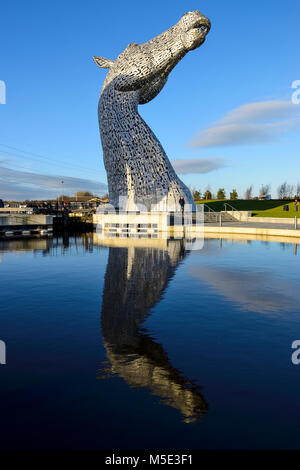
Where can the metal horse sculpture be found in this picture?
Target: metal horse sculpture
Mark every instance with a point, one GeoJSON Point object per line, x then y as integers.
{"type": "Point", "coordinates": [137, 166]}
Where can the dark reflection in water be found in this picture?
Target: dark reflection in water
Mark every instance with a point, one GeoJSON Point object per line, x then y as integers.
{"type": "Point", "coordinates": [135, 280]}
{"type": "Point", "coordinates": [53, 246]}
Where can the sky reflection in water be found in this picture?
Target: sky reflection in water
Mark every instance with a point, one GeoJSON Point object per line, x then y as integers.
{"type": "Point", "coordinates": [207, 333]}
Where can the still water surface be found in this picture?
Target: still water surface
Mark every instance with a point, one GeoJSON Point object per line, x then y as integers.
{"type": "Point", "coordinates": [149, 346]}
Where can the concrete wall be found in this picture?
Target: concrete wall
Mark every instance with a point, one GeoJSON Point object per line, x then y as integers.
{"type": "Point", "coordinates": [246, 216]}
{"type": "Point", "coordinates": [147, 222]}
{"type": "Point", "coordinates": [273, 220]}
{"type": "Point", "coordinates": [19, 219]}
{"type": "Point", "coordinates": [259, 231]}
{"type": "Point", "coordinates": [13, 210]}
{"type": "Point", "coordinates": [241, 216]}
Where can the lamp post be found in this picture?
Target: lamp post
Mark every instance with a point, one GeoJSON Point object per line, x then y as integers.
{"type": "Point", "coordinates": [62, 196]}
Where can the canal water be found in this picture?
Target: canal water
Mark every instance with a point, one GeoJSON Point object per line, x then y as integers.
{"type": "Point", "coordinates": [149, 344]}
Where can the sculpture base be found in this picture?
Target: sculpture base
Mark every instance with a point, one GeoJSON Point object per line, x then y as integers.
{"type": "Point", "coordinates": [139, 224]}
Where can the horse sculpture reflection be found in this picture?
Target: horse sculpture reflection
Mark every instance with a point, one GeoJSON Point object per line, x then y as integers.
{"type": "Point", "coordinates": [134, 282]}
{"type": "Point", "coordinates": [137, 167]}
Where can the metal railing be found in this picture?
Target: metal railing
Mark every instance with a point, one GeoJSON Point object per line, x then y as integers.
{"type": "Point", "coordinates": [232, 209]}
{"type": "Point", "coordinates": [226, 215]}
{"type": "Point", "coordinates": [209, 208]}
{"type": "Point", "coordinates": [210, 215]}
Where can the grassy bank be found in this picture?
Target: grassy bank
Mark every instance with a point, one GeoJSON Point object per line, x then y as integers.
{"type": "Point", "coordinates": [272, 208]}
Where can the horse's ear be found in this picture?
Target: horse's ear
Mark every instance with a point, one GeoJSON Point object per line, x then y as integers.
{"type": "Point", "coordinates": [103, 63]}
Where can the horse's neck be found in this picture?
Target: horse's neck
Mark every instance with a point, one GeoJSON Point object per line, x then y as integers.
{"type": "Point", "coordinates": [118, 111]}
{"type": "Point", "coordinates": [122, 103]}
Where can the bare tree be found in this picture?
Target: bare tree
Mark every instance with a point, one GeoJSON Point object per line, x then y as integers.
{"type": "Point", "coordinates": [264, 189]}
{"type": "Point", "coordinates": [282, 190]}
{"type": "Point", "coordinates": [290, 191]}
{"type": "Point", "coordinates": [248, 192]}
{"type": "Point", "coordinates": [297, 190]}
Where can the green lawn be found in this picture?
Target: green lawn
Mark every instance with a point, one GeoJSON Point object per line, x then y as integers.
{"type": "Point", "coordinates": [272, 208]}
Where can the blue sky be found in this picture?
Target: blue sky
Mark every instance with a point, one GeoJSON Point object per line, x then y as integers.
{"type": "Point", "coordinates": [225, 117]}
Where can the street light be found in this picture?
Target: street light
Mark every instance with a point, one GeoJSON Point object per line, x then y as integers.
{"type": "Point", "coordinates": [62, 196]}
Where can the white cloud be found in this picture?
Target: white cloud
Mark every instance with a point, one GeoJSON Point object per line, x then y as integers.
{"type": "Point", "coordinates": [252, 123]}
{"type": "Point", "coordinates": [198, 165]}
{"type": "Point", "coordinates": [19, 185]}
{"type": "Point", "coordinates": [249, 291]}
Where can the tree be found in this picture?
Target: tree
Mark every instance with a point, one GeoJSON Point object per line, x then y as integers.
{"type": "Point", "coordinates": [207, 194]}
{"type": "Point", "coordinates": [286, 191]}
{"type": "Point", "coordinates": [290, 191]}
{"type": "Point", "coordinates": [221, 193]}
{"type": "Point", "coordinates": [83, 193]}
{"type": "Point", "coordinates": [264, 189]}
{"type": "Point", "coordinates": [282, 190]}
{"type": "Point", "coordinates": [234, 194]}
{"type": "Point", "coordinates": [63, 197]}
{"type": "Point", "coordinates": [297, 190]}
{"type": "Point", "coordinates": [248, 192]}
{"type": "Point", "coordinates": [196, 195]}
